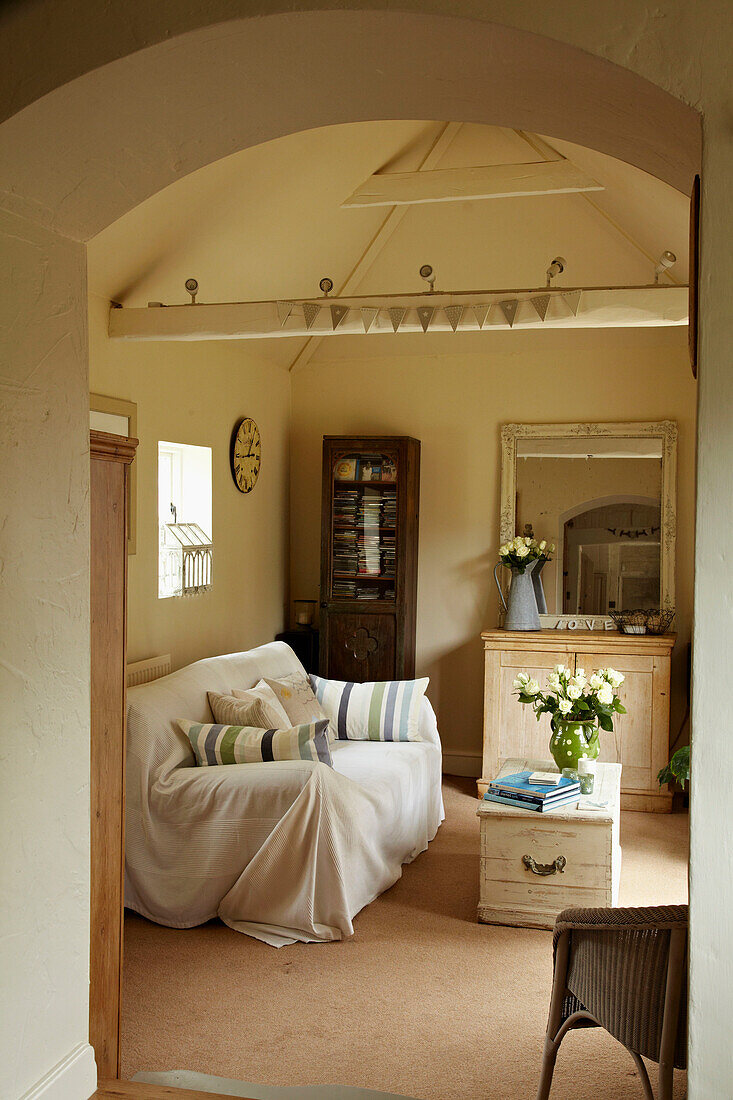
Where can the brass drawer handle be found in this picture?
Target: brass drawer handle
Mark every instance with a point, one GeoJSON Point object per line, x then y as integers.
{"type": "Point", "coordinates": [544, 868]}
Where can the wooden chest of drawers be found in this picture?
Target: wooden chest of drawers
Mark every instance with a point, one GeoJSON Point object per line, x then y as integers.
{"type": "Point", "coordinates": [574, 856]}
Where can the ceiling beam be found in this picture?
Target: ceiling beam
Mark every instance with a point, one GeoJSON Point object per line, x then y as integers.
{"type": "Point", "coordinates": [599, 307]}
{"type": "Point", "coordinates": [495, 181]}
{"type": "Point", "coordinates": [351, 283]}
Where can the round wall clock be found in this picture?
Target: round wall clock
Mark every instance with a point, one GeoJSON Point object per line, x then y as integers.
{"type": "Point", "coordinates": [246, 454]}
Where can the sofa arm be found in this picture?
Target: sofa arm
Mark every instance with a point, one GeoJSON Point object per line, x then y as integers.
{"type": "Point", "coordinates": [428, 723]}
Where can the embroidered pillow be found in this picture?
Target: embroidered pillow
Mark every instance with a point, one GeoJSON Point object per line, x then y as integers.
{"type": "Point", "coordinates": [220, 744]}
{"type": "Point", "coordinates": [387, 710]}
{"type": "Point", "coordinates": [262, 713]}
{"type": "Point", "coordinates": [262, 691]}
{"type": "Point", "coordinates": [295, 696]}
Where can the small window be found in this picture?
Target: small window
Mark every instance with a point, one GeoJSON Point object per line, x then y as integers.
{"type": "Point", "coordinates": [184, 519]}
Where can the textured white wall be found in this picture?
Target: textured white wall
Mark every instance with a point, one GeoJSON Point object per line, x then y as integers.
{"type": "Point", "coordinates": [44, 661]}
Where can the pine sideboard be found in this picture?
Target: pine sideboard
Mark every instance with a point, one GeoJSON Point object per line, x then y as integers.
{"type": "Point", "coordinates": [640, 739]}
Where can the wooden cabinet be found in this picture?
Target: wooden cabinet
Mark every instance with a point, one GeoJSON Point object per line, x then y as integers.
{"type": "Point", "coordinates": [640, 739]}
{"type": "Point", "coordinates": [371, 498]}
{"type": "Point", "coordinates": [111, 456]}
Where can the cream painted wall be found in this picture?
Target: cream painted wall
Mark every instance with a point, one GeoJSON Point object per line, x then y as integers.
{"type": "Point", "coordinates": [44, 663]}
{"type": "Point", "coordinates": [454, 393]}
{"type": "Point", "coordinates": [194, 393]}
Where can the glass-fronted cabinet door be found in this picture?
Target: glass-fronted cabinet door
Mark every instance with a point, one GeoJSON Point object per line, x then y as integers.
{"type": "Point", "coordinates": [364, 526]}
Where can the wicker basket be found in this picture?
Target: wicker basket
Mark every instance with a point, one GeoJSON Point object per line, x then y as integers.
{"type": "Point", "coordinates": [659, 622]}
{"type": "Point", "coordinates": [630, 622]}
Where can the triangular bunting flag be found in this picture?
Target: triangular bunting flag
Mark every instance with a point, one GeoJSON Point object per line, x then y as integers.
{"type": "Point", "coordinates": [454, 315]}
{"type": "Point", "coordinates": [310, 312]}
{"type": "Point", "coordinates": [572, 301]}
{"type": "Point", "coordinates": [337, 315]}
{"type": "Point", "coordinates": [482, 313]}
{"type": "Point", "coordinates": [540, 303]}
{"type": "Point", "coordinates": [368, 315]}
{"type": "Point", "coordinates": [509, 309]}
{"type": "Point", "coordinates": [425, 315]}
{"type": "Point", "coordinates": [396, 316]}
{"type": "Point", "coordinates": [284, 309]}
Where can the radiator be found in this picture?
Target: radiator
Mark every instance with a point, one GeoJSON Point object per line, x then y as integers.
{"type": "Point", "coordinates": [142, 672]}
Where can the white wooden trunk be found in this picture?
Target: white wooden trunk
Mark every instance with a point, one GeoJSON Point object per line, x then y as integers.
{"type": "Point", "coordinates": [510, 893]}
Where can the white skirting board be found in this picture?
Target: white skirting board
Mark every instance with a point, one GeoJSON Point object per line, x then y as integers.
{"type": "Point", "coordinates": [462, 763]}
{"type": "Point", "coordinates": [73, 1078]}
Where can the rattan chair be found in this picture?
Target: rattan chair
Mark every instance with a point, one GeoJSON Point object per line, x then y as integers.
{"type": "Point", "coordinates": [624, 970]}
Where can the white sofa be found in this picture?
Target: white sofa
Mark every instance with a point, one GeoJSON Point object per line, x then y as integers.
{"type": "Point", "coordinates": [284, 850]}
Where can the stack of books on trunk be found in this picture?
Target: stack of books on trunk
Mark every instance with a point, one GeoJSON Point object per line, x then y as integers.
{"type": "Point", "coordinates": [539, 791]}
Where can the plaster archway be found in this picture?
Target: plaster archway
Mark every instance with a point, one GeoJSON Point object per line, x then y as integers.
{"type": "Point", "coordinates": [76, 160]}
{"type": "Point", "coordinates": [84, 154]}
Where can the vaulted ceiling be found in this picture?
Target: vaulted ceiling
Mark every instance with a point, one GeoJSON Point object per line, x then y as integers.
{"type": "Point", "coordinates": [267, 223]}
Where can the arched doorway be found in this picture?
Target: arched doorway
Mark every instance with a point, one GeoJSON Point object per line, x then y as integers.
{"type": "Point", "coordinates": [76, 160]}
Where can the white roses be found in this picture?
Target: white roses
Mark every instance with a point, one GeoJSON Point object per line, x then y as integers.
{"type": "Point", "coordinates": [520, 551]}
{"type": "Point", "coordinates": [572, 697]}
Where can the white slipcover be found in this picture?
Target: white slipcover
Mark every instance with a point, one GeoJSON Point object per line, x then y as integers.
{"type": "Point", "coordinates": [285, 850]}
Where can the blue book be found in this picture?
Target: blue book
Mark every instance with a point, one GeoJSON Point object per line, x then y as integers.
{"type": "Point", "coordinates": [519, 784]}
{"type": "Point", "coordinates": [538, 807]}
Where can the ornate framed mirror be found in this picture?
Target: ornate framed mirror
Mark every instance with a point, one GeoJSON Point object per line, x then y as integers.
{"type": "Point", "coordinates": [605, 495]}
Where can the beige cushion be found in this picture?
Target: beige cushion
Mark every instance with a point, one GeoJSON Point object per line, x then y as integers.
{"type": "Point", "coordinates": [296, 697]}
{"type": "Point", "coordinates": [257, 707]}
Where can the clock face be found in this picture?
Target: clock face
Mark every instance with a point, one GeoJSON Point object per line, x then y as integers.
{"type": "Point", "coordinates": [246, 455]}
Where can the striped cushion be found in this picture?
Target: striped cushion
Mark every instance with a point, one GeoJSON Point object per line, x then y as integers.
{"type": "Point", "coordinates": [214, 743]}
{"type": "Point", "coordinates": [387, 710]}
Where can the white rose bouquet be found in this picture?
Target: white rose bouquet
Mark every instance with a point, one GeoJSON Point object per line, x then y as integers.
{"type": "Point", "coordinates": [573, 697]}
{"type": "Point", "coordinates": [518, 553]}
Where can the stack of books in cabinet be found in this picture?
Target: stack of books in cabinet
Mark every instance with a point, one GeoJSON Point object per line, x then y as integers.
{"type": "Point", "coordinates": [369, 557]}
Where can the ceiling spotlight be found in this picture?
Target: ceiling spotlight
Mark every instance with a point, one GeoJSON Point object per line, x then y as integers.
{"type": "Point", "coordinates": [192, 286]}
{"type": "Point", "coordinates": [666, 260]}
{"type": "Point", "coordinates": [427, 273]}
{"type": "Point", "coordinates": [326, 285]}
{"type": "Point", "coordinates": [556, 268]}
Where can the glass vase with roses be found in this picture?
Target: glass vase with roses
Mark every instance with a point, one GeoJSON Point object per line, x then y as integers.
{"type": "Point", "coordinates": [579, 707]}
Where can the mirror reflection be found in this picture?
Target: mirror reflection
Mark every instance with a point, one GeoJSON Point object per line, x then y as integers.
{"type": "Point", "coordinates": [599, 501]}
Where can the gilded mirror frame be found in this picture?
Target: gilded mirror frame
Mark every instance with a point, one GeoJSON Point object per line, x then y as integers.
{"type": "Point", "coordinates": [665, 430]}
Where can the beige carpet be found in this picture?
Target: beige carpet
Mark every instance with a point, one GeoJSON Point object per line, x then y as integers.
{"type": "Point", "coordinates": [422, 1000]}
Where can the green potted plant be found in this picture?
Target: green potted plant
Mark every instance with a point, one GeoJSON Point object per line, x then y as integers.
{"type": "Point", "coordinates": [579, 707]}
{"type": "Point", "coordinates": [678, 768]}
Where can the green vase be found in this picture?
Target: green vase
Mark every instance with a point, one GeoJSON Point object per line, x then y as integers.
{"type": "Point", "coordinates": [573, 741]}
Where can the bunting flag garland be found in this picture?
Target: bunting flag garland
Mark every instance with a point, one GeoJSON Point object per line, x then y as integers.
{"type": "Point", "coordinates": [540, 303]}
{"type": "Point", "coordinates": [481, 312]}
{"type": "Point", "coordinates": [310, 312]}
{"type": "Point", "coordinates": [396, 316]}
{"type": "Point", "coordinates": [509, 309]}
{"type": "Point", "coordinates": [368, 316]}
{"type": "Point", "coordinates": [425, 315]}
{"type": "Point", "coordinates": [572, 301]}
{"type": "Point", "coordinates": [284, 309]}
{"type": "Point", "coordinates": [454, 315]}
{"type": "Point", "coordinates": [337, 315]}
